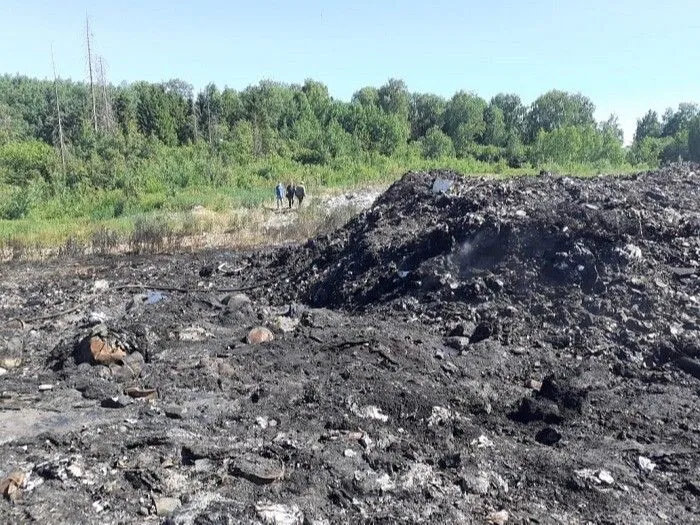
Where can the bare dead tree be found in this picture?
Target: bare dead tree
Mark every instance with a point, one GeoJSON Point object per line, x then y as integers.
{"type": "Point", "coordinates": [58, 114]}
{"type": "Point", "coordinates": [88, 38]}
{"type": "Point", "coordinates": [209, 118]}
{"type": "Point", "coordinates": [106, 114]}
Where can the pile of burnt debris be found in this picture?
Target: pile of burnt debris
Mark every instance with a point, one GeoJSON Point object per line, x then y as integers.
{"type": "Point", "coordinates": [466, 350]}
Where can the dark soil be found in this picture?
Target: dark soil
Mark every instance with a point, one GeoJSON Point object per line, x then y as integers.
{"type": "Point", "coordinates": [529, 345]}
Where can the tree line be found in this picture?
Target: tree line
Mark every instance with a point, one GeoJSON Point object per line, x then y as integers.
{"type": "Point", "coordinates": [107, 143]}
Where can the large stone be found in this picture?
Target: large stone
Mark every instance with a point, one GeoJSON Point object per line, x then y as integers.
{"type": "Point", "coordinates": [166, 506]}
{"type": "Point", "coordinates": [258, 335]}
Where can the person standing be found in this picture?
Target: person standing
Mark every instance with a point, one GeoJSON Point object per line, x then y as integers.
{"type": "Point", "coordinates": [291, 188]}
{"type": "Point", "coordinates": [299, 193]}
{"type": "Point", "coordinates": [279, 193]}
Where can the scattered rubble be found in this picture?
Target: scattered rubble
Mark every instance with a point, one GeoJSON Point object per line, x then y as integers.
{"type": "Point", "coordinates": [476, 350]}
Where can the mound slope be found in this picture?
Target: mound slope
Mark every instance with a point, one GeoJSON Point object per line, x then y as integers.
{"type": "Point", "coordinates": [467, 350]}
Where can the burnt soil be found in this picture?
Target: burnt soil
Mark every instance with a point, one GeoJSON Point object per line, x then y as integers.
{"type": "Point", "coordinates": [528, 345]}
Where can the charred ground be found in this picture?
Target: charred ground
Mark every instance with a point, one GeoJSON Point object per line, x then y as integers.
{"type": "Point", "coordinates": [464, 347]}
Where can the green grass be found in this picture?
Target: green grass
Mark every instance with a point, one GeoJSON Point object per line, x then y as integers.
{"type": "Point", "coordinates": [52, 221]}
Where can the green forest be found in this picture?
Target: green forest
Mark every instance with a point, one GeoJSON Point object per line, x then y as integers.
{"type": "Point", "coordinates": [123, 150]}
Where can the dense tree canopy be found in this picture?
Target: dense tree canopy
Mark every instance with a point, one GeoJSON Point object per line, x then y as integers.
{"type": "Point", "coordinates": [303, 124]}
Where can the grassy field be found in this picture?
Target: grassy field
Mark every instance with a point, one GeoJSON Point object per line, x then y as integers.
{"type": "Point", "coordinates": [199, 215]}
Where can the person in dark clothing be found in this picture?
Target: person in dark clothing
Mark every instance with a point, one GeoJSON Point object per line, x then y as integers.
{"type": "Point", "coordinates": [291, 189]}
{"type": "Point", "coordinates": [299, 193]}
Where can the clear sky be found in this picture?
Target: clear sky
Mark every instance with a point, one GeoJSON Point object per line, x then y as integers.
{"type": "Point", "coordinates": [626, 55]}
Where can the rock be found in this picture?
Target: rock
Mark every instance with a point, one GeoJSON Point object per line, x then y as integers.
{"type": "Point", "coordinates": [166, 506]}
{"type": "Point", "coordinates": [475, 484]}
{"type": "Point", "coordinates": [175, 411]}
{"type": "Point", "coordinates": [498, 518]}
{"type": "Point", "coordinates": [534, 384]}
{"type": "Point", "coordinates": [349, 453]}
{"type": "Point", "coordinates": [236, 301]}
{"type": "Point", "coordinates": [646, 465]}
{"type": "Point", "coordinates": [116, 402]}
{"type": "Point", "coordinates": [457, 342]}
{"type": "Point", "coordinates": [548, 436]}
{"type": "Point", "coordinates": [535, 409]}
{"type": "Point", "coordinates": [279, 514]}
{"type": "Point", "coordinates": [45, 387]}
{"type": "Point", "coordinates": [130, 367]}
{"type": "Point", "coordinates": [100, 285]}
{"type": "Point", "coordinates": [11, 485]}
{"type": "Point", "coordinates": [2, 371]}
{"type": "Point", "coordinates": [203, 465]}
{"type": "Point", "coordinates": [257, 469]}
{"type": "Point", "coordinates": [259, 335]}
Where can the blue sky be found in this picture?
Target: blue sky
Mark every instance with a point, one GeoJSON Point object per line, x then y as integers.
{"type": "Point", "coordinates": [626, 55]}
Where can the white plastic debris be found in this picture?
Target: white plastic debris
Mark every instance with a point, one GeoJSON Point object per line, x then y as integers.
{"type": "Point", "coordinates": [370, 412]}
{"type": "Point", "coordinates": [646, 464]}
{"type": "Point", "coordinates": [97, 318]}
{"type": "Point", "coordinates": [481, 442]}
{"type": "Point", "coordinates": [439, 416]}
{"type": "Point", "coordinates": [596, 477]}
{"type": "Point", "coordinates": [605, 477]}
{"type": "Point", "coordinates": [279, 514]}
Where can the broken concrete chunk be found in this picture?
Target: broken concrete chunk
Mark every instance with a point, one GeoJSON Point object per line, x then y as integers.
{"type": "Point", "coordinates": [279, 514]}
{"type": "Point", "coordinates": [498, 518]}
{"type": "Point", "coordinates": [166, 506]}
{"type": "Point", "coordinates": [259, 335]}
{"type": "Point", "coordinates": [100, 285]}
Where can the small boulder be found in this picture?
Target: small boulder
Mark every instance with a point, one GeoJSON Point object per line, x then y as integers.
{"type": "Point", "coordinates": [166, 506]}
{"type": "Point", "coordinates": [259, 335]}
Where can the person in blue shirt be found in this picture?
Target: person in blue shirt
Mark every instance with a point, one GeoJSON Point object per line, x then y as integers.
{"type": "Point", "coordinates": [279, 193]}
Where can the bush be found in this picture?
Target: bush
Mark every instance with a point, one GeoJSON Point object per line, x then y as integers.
{"type": "Point", "coordinates": [437, 145]}
{"type": "Point", "coordinates": [24, 162]}
{"type": "Point", "coordinates": [151, 234]}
